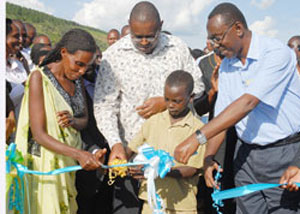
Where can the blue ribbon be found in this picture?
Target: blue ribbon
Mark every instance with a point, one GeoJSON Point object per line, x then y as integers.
{"type": "Point", "coordinates": [23, 169]}
{"type": "Point", "coordinates": [243, 190]}
{"type": "Point", "coordinates": [16, 192]}
{"type": "Point", "coordinates": [17, 189]}
{"type": "Point", "coordinates": [217, 202]}
{"type": "Point", "coordinates": [219, 195]}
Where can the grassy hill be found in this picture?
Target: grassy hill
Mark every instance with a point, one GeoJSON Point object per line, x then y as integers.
{"type": "Point", "coordinates": [52, 26]}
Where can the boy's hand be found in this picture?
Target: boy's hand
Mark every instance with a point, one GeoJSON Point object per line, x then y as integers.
{"type": "Point", "coordinates": [117, 152]}
{"type": "Point", "coordinates": [186, 149]}
{"type": "Point", "coordinates": [151, 106]}
{"type": "Point", "coordinates": [136, 172]}
{"type": "Point", "coordinates": [291, 175]}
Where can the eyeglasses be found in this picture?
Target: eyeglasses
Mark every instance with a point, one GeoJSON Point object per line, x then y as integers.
{"type": "Point", "coordinates": [218, 40]}
{"type": "Point", "coordinates": [148, 38]}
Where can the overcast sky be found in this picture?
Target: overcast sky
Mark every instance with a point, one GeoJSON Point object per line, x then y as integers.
{"type": "Point", "coordinates": [184, 18]}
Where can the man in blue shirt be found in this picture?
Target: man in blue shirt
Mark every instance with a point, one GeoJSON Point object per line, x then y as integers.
{"type": "Point", "coordinates": [259, 93]}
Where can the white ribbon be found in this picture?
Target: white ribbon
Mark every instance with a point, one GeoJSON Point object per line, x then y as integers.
{"type": "Point", "coordinates": [151, 173]}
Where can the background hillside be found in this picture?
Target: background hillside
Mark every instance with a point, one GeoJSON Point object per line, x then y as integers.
{"type": "Point", "coordinates": [50, 25]}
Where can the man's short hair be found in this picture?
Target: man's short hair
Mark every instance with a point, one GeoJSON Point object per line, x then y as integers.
{"type": "Point", "coordinates": [145, 12]}
{"type": "Point", "coordinates": [295, 38]}
{"type": "Point", "coordinates": [230, 13]}
{"type": "Point", "coordinates": [181, 78]}
{"type": "Point", "coordinates": [113, 31]}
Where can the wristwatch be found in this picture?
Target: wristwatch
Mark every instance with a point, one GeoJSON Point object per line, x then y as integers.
{"type": "Point", "coordinates": [200, 137]}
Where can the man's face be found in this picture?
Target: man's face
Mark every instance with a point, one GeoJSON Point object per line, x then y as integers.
{"type": "Point", "coordinates": [144, 35]}
{"type": "Point", "coordinates": [125, 31]}
{"type": "Point", "coordinates": [112, 37]}
{"type": "Point", "coordinates": [23, 35]}
{"type": "Point", "coordinates": [222, 37]}
{"type": "Point", "coordinates": [42, 40]}
{"type": "Point", "coordinates": [31, 33]}
{"type": "Point", "coordinates": [98, 57]}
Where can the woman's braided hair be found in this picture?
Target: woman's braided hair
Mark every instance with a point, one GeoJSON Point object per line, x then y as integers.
{"type": "Point", "coordinates": [73, 40]}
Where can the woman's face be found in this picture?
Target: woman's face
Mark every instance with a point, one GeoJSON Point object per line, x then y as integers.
{"type": "Point", "coordinates": [75, 65]}
{"type": "Point", "coordinates": [12, 40]}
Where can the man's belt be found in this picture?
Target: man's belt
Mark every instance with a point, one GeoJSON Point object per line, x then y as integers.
{"type": "Point", "coordinates": [294, 138]}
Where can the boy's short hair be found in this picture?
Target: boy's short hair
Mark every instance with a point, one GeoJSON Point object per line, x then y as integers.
{"type": "Point", "coordinates": [181, 78]}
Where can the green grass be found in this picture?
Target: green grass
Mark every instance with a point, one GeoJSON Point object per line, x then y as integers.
{"type": "Point", "coordinates": [52, 26]}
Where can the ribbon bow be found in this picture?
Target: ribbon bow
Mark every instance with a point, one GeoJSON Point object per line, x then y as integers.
{"type": "Point", "coordinates": [160, 163]}
{"type": "Point", "coordinates": [14, 181]}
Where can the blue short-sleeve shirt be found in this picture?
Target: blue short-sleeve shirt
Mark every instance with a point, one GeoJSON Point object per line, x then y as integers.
{"type": "Point", "coordinates": [269, 74]}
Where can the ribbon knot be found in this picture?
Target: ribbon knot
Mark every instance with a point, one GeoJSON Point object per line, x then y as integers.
{"type": "Point", "coordinates": [160, 163]}
{"type": "Point", "coordinates": [14, 179]}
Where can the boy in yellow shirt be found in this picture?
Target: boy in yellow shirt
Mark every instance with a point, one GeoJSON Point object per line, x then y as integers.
{"type": "Point", "coordinates": [165, 131]}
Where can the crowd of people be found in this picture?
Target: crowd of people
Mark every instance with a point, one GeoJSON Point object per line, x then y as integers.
{"type": "Point", "coordinates": [235, 104]}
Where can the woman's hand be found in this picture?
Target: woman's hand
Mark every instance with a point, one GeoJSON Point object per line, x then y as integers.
{"type": "Point", "coordinates": [88, 161]}
{"type": "Point", "coordinates": [65, 119]}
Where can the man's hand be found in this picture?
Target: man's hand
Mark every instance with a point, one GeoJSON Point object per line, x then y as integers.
{"type": "Point", "coordinates": [186, 149]}
{"type": "Point", "coordinates": [117, 152]}
{"type": "Point", "coordinates": [291, 175]}
{"type": "Point", "coordinates": [209, 167]}
{"type": "Point", "coordinates": [214, 78]}
{"type": "Point", "coordinates": [151, 106]}
{"type": "Point", "coordinates": [100, 155]}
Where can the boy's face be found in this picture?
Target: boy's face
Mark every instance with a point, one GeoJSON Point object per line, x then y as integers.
{"type": "Point", "coordinates": [177, 100]}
